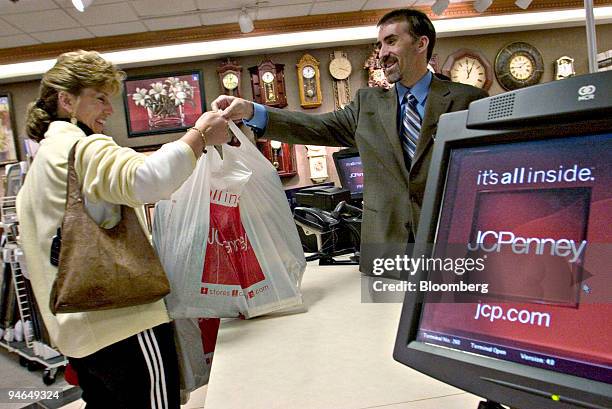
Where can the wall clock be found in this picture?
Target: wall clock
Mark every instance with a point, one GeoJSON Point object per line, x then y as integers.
{"type": "Point", "coordinates": [318, 162]}
{"type": "Point", "coordinates": [309, 82]}
{"type": "Point", "coordinates": [469, 67]}
{"type": "Point", "coordinates": [376, 74]}
{"type": "Point", "coordinates": [280, 154]}
{"type": "Point", "coordinates": [229, 78]}
{"type": "Point", "coordinates": [340, 69]}
{"type": "Point", "coordinates": [268, 84]}
{"type": "Point", "coordinates": [564, 67]}
{"type": "Point", "coordinates": [518, 65]}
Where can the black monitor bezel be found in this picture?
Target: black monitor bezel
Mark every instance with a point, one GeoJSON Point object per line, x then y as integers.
{"type": "Point", "coordinates": [343, 154]}
{"type": "Point", "coordinates": [502, 381]}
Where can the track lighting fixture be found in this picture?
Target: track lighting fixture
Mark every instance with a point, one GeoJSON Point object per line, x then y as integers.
{"type": "Point", "coordinates": [439, 7]}
{"type": "Point", "coordinates": [245, 21]}
{"type": "Point", "coordinates": [523, 3]}
{"type": "Point", "coordinates": [482, 5]}
{"type": "Point", "coordinates": [81, 5]}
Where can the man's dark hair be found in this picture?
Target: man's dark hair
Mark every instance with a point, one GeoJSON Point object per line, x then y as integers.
{"type": "Point", "coordinates": [418, 25]}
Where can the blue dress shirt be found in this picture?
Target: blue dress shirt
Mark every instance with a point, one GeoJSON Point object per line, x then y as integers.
{"type": "Point", "coordinates": [260, 118]}
{"type": "Point", "coordinates": [420, 90]}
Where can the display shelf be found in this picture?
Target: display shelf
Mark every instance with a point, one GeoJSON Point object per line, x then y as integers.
{"type": "Point", "coordinates": [33, 353]}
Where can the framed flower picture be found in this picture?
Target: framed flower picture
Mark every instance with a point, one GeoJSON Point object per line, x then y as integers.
{"type": "Point", "coordinates": [8, 137]}
{"type": "Point", "coordinates": [163, 103]}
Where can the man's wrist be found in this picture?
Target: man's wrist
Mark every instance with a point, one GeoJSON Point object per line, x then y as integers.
{"type": "Point", "coordinates": [259, 118]}
{"type": "Point", "coordinates": [250, 111]}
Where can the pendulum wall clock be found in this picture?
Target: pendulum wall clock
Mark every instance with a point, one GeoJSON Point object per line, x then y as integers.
{"type": "Point", "coordinates": [229, 78]}
{"type": "Point", "coordinates": [340, 69]}
{"type": "Point", "coordinates": [309, 82]}
{"type": "Point", "coordinates": [268, 84]}
{"type": "Point", "coordinates": [376, 74]}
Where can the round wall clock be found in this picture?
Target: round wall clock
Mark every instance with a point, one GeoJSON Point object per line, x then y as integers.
{"type": "Point", "coordinates": [229, 77]}
{"type": "Point", "coordinates": [518, 65]}
{"type": "Point", "coordinates": [469, 67]}
{"type": "Point", "coordinates": [267, 77]}
{"type": "Point", "coordinates": [340, 69]}
{"type": "Point", "coordinates": [230, 81]}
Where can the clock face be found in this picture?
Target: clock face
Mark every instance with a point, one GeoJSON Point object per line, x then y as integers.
{"type": "Point", "coordinates": [469, 67]}
{"type": "Point", "coordinates": [468, 70]}
{"type": "Point", "coordinates": [267, 77]}
{"type": "Point", "coordinates": [378, 75]}
{"type": "Point", "coordinates": [230, 81]}
{"type": "Point", "coordinates": [340, 68]}
{"type": "Point", "coordinates": [518, 65]}
{"type": "Point", "coordinates": [308, 72]}
{"type": "Point", "coordinates": [521, 67]}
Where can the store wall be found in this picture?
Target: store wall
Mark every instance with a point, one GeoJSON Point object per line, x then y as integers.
{"type": "Point", "coordinates": [551, 43]}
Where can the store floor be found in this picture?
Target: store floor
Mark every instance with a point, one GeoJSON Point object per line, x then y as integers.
{"type": "Point", "coordinates": [337, 355]}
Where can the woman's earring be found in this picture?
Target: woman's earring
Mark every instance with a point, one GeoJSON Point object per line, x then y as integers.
{"type": "Point", "coordinates": [73, 119]}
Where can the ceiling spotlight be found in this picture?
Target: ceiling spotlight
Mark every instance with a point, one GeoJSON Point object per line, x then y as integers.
{"type": "Point", "coordinates": [439, 6]}
{"type": "Point", "coordinates": [482, 5]}
{"type": "Point", "coordinates": [81, 5]}
{"type": "Point", "coordinates": [245, 21]}
{"type": "Point", "coordinates": [523, 3]}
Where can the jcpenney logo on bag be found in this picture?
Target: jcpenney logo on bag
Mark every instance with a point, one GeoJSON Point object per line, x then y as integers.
{"type": "Point", "coordinates": [230, 259]}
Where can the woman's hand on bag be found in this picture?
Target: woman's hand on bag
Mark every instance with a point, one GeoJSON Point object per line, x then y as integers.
{"type": "Point", "coordinates": [213, 126]}
{"type": "Point", "coordinates": [233, 108]}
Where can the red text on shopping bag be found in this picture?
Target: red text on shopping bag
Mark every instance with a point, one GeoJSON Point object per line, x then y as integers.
{"type": "Point", "coordinates": [230, 259]}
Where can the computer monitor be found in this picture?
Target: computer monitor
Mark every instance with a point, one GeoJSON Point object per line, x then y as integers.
{"type": "Point", "coordinates": [350, 171]}
{"type": "Point", "coordinates": [521, 184]}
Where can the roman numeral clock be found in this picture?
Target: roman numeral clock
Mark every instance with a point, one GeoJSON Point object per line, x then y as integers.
{"type": "Point", "coordinates": [469, 67]}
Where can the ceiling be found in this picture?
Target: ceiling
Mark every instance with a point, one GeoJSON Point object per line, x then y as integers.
{"type": "Point", "coordinates": [145, 32]}
{"type": "Point", "coordinates": [30, 22]}
{"type": "Point", "coordinates": [36, 22]}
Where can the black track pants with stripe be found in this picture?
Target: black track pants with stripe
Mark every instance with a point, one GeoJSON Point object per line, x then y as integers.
{"type": "Point", "coordinates": [140, 372]}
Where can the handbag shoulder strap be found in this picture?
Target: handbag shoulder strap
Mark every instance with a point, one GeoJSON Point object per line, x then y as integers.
{"type": "Point", "coordinates": [75, 205]}
{"type": "Point", "coordinates": [73, 190]}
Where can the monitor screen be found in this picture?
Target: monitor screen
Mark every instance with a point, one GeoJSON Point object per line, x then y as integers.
{"type": "Point", "coordinates": [350, 171]}
{"type": "Point", "coordinates": [537, 214]}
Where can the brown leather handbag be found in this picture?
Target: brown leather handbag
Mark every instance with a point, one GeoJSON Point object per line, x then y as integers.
{"type": "Point", "coordinates": [102, 268]}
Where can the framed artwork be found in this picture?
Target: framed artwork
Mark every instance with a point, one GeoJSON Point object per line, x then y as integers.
{"type": "Point", "coordinates": [163, 103]}
{"type": "Point", "coordinates": [8, 137]}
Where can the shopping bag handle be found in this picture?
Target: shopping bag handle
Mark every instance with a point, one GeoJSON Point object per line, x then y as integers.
{"type": "Point", "coordinates": [234, 141]}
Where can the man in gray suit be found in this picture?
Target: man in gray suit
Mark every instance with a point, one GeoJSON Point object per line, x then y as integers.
{"type": "Point", "coordinates": [393, 129]}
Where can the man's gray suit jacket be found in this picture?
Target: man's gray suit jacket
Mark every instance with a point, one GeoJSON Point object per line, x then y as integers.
{"type": "Point", "coordinates": [392, 195]}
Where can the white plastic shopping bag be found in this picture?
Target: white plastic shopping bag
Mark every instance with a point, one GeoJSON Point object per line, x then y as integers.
{"type": "Point", "coordinates": [195, 341]}
{"type": "Point", "coordinates": [227, 238]}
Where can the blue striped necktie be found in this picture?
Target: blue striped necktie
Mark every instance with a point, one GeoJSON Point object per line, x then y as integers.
{"type": "Point", "coordinates": [411, 126]}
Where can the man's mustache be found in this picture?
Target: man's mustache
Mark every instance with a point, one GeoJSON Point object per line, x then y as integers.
{"type": "Point", "coordinates": [387, 59]}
